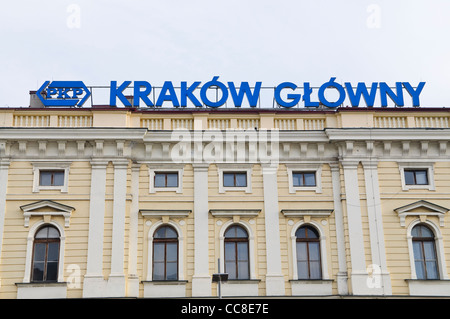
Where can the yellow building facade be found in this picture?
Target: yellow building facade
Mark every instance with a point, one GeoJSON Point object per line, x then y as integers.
{"type": "Point", "coordinates": [125, 202]}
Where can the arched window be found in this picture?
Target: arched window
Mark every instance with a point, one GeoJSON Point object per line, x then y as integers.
{"type": "Point", "coordinates": [308, 253]}
{"type": "Point", "coordinates": [424, 249]}
{"type": "Point", "coordinates": [45, 254]}
{"type": "Point", "coordinates": [165, 254]}
{"type": "Point", "coordinates": [236, 253]}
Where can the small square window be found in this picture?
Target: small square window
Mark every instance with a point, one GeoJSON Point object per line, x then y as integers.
{"type": "Point", "coordinates": [51, 178]}
{"type": "Point", "coordinates": [301, 179]}
{"type": "Point", "coordinates": [416, 177]}
{"type": "Point", "coordinates": [235, 179]}
{"type": "Point", "coordinates": [304, 177]}
{"type": "Point", "coordinates": [165, 179]}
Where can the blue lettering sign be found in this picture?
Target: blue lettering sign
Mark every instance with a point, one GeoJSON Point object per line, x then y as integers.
{"type": "Point", "coordinates": [63, 93]}
{"type": "Point", "coordinates": [75, 93]}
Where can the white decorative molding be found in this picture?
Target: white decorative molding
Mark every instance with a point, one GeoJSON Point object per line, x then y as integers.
{"type": "Point", "coordinates": [158, 213]}
{"type": "Point", "coordinates": [46, 208]}
{"type": "Point", "coordinates": [224, 168]}
{"type": "Point", "coordinates": [165, 168]}
{"type": "Point", "coordinates": [421, 208]}
{"type": "Point", "coordinates": [417, 165]}
{"type": "Point", "coordinates": [235, 212]}
{"type": "Point", "coordinates": [52, 166]}
{"type": "Point", "coordinates": [306, 212]}
{"type": "Point", "coordinates": [306, 167]}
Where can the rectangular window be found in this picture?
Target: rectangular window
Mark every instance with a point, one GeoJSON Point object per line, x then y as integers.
{"type": "Point", "coordinates": [51, 178]}
{"type": "Point", "coordinates": [163, 179]}
{"type": "Point", "coordinates": [416, 177]}
{"type": "Point", "coordinates": [301, 179]}
{"type": "Point", "coordinates": [235, 179]}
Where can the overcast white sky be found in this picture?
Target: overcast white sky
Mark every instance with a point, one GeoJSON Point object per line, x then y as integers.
{"type": "Point", "coordinates": [194, 40]}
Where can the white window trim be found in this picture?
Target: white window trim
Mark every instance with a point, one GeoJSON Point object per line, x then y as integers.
{"type": "Point", "coordinates": [244, 287]}
{"type": "Point", "coordinates": [304, 168]}
{"type": "Point", "coordinates": [439, 244]}
{"type": "Point", "coordinates": [430, 175]}
{"type": "Point", "coordinates": [151, 232]}
{"type": "Point", "coordinates": [323, 249]}
{"type": "Point", "coordinates": [153, 189]}
{"type": "Point", "coordinates": [29, 251]}
{"type": "Point", "coordinates": [231, 168]}
{"type": "Point", "coordinates": [56, 166]}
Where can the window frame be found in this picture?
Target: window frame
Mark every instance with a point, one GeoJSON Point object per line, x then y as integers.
{"type": "Point", "coordinates": [30, 251]}
{"type": "Point", "coordinates": [304, 168]}
{"type": "Point", "coordinates": [322, 245]}
{"type": "Point", "coordinates": [165, 173]}
{"type": "Point", "coordinates": [308, 241]}
{"type": "Point", "coordinates": [235, 173]}
{"type": "Point", "coordinates": [235, 168]}
{"type": "Point", "coordinates": [421, 241]}
{"type": "Point", "coordinates": [165, 241]}
{"type": "Point", "coordinates": [235, 241]}
{"type": "Point", "coordinates": [45, 241]}
{"type": "Point", "coordinates": [150, 238]}
{"type": "Point", "coordinates": [408, 166]}
{"type": "Point", "coordinates": [46, 166]}
{"type": "Point", "coordinates": [439, 249]}
{"type": "Point", "coordinates": [164, 169]}
{"type": "Point", "coordinates": [294, 172]}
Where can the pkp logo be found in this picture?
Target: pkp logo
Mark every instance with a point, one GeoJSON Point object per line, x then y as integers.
{"type": "Point", "coordinates": [63, 93]}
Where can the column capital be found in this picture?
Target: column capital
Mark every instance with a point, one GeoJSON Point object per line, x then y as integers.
{"type": "Point", "coordinates": [200, 167]}
{"type": "Point", "coordinates": [350, 163]}
{"type": "Point", "coordinates": [370, 164]}
{"type": "Point", "coordinates": [120, 163]}
{"type": "Point", "coordinates": [99, 164]}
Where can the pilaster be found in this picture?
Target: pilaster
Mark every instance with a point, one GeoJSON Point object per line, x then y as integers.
{"type": "Point", "coordinates": [358, 276]}
{"type": "Point", "coordinates": [275, 285]}
{"type": "Point", "coordinates": [94, 283]}
{"type": "Point", "coordinates": [201, 280]}
{"type": "Point", "coordinates": [381, 282]}
{"type": "Point", "coordinates": [342, 275]}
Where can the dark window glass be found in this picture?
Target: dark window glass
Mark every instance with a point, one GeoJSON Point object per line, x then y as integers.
{"type": "Point", "coordinates": [51, 178]}
{"type": "Point", "coordinates": [236, 253]}
{"type": "Point", "coordinates": [163, 179]}
{"type": "Point", "coordinates": [304, 179]}
{"type": "Point", "coordinates": [236, 179]}
{"type": "Point", "coordinates": [424, 253]}
{"type": "Point", "coordinates": [308, 253]}
{"type": "Point", "coordinates": [416, 177]}
{"type": "Point", "coordinates": [165, 254]}
{"type": "Point", "coordinates": [46, 255]}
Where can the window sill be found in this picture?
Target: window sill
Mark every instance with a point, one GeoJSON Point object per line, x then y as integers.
{"type": "Point", "coordinates": [311, 287]}
{"type": "Point", "coordinates": [429, 287]}
{"type": "Point", "coordinates": [42, 290]}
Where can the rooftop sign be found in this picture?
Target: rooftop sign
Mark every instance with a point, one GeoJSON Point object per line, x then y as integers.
{"type": "Point", "coordinates": [286, 94]}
